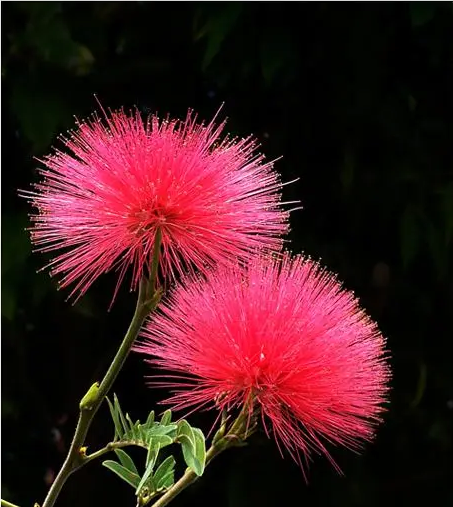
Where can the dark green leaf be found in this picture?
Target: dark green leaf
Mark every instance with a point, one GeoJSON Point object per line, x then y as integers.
{"type": "Point", "coordinates": [421, 386]}
{"type": "Point", "coordinates": [126, 461]}
{"type": "Point", "coordinates": [142, 433]}
{"type": "Point", "coordinates": [200, 447]}
{"type": "Point", "coordinates": [188, 452]}
{"type": "Point", "coordinates": [132, 429]}
{"type": "Point", "coordinates": [422, 13]}
{"type": "Point", "coordinates": [160, 429]}
{"type": "Point", "coordinates": [121, 416]}
{"type": "Point", "coordinates": [125, 474]}
{"type": "Point", "coordinates": [217, 28]}
{"type": "Point", "coordinates": [166, 482]}
{"type": "Point", "coordinates": [9, 301]}
{"type": "Point", "coordinates": [185, 429]}
{"type": "Point", "coordinates": [116, 420]}
{"type": "Point", "coordinates": [16, 246]}
{"type": "Point", "coordinates": [162, 440]}
{"type": "Point", "coordinates": [147, 478]}
{"type": "Point", "coordinates": [40, 116]}
{"type": "Point", "coordinates": [150, 419]}
{"type": "Point", "coordinates": [193, 446]}
{"type": "Point", "coordinates": [153, 452]}
{"type": "Point", "coordinates": [184, 439]}
{"type": "Point", "coordinates": [164, 475]}
{"type": "Point", "coordinates": [166, 418]}
{"type": "Point", "coordinates": [277, 55]}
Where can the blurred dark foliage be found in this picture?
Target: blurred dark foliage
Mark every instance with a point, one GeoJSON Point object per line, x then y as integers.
{"type": "Point", "coordinates": [358, 99]}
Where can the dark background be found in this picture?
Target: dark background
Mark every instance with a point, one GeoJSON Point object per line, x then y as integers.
{"type": "Point", "coordinates": [357, 99]}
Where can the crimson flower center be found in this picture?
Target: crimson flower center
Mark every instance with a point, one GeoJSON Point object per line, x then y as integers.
{"type": "Point", "coordinates": [143, 221]}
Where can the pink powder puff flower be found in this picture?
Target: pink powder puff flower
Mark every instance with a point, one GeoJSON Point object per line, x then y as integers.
{"type": "Point", "coordinates": [214, 199]}
{"type": "Point", "coordinates": [283, 333]}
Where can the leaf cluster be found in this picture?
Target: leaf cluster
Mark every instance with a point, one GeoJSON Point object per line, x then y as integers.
{"type": "Point", "coordinates": [159, 473]}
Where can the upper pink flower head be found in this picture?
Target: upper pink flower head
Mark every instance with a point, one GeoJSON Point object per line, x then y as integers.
{"type": "Point", "coordinates": [283, 333]}
{"type": "Point", "coordinates": [102, 200]}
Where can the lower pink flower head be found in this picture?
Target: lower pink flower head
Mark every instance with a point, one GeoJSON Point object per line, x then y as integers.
{"type": "Point", "coordinates": [120, 180]}
{"type": "Point", "coordinates": [283, 333]}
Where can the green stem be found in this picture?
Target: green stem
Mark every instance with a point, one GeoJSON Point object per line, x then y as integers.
{"type": "Point", "coordinates": [148, 298]}
{"type": "Point", "coordinates": [155, 260]}
{"type": "Point", "coordinates": [4, 503]}
{"type": "Point", "coordinates": [145, 305]}
{"type": "Point", "coordinates": [239, 431]}
{"type": "Point", "coordinates": [187, 479]}
{"type": "Point", "coordinates": [111, 447]}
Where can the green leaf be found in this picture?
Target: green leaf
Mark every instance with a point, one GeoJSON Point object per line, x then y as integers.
{"type": "Point", "coordinates": [164, 475]}
{"type": "Point", "coordinates": [16, 246]}
{"type": "Point", "coordinates": [185, 440]}
{"type": "Point", "coordinates": [121, 416]}
{"type": "Point", "coordinates": [217, 28]}
{"type": "Point", "coordinates": [153, 452]}
{"type": "Point", "coordinates": [9, 301]}
{"type": "Point", "coordinates": [125, 474]}
{"type": "Point", "coordinates": [150, 419]}
{"type": "Point", "coordinates": [160, 429]}
{"type": "Point", "coordinates": [132, 429]}
{"type": "Point", "coordinates": [116, 421]}
{"type": "Point", "coordinates": [421, 386]}
{"type": "Point", "coordinates": [126, 461]}
{"type": "Point", "coordinates": [166, 482]}
{"type": "Point", "coordinates": [278, 56]}
{"type": "Point", "coordinates": [47, 34]}
{"type": "Point", "coordinates": [142, 433]}
{"type": "Point", "coordinates": [422, 13]}
{"type": "Point", "coordinates": [162, 440]}
{"type": "Point", "coordinates": [193, 446]}
{"type": "Point", "coordinates": [185, 429]}
{"type": "Point", "coordinates": [188, 451]}
{"type": "Point", "coordinates": [166, 418]}
{"type": "Point", "coordinates": [147, 478]}
{"type": "Point", "coordinates": [200, 447]}
{"type": "Point", "coordinates": [40, 117]}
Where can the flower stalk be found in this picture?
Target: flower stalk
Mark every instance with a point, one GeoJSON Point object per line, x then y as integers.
{"type": "Point", "coordinates": [240, 430]}
{"type": "Point", "coordinates": [5, 503]}
{"type": "Point", "coordinates": [148, 298]}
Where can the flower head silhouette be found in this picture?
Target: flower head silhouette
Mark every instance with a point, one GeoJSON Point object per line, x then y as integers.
{"type": "Point", "coordinates": [283, 333]}
{"type": "Point", "coordinates": [102, 200]}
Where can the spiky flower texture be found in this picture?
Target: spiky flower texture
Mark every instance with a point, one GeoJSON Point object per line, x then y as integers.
{"type": "Point", "coordinates": [283, 333]}
{"type": "Point", "coordinates": [102, 200]}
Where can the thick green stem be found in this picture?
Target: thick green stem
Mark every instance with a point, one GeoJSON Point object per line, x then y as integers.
{"type": "Point", "coordinates": [187, 479]}
{"type": "Point", "coordinates": [145, 305]}
{"type": "Point", "coordinates": [155, 260]}
{"type": "Point", "coordinates": [4, 503]}
{"type": "Point", "coordinates": [148, 298]}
